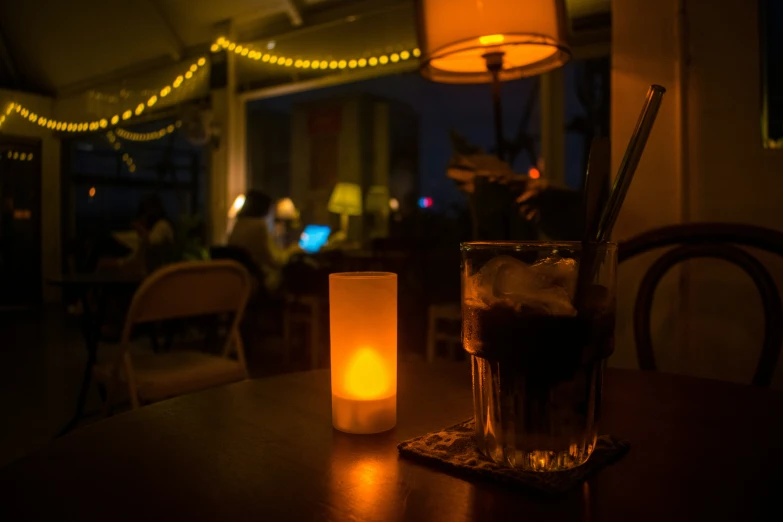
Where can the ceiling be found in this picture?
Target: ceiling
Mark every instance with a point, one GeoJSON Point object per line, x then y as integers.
{"type": "Point", "coordinates": [62, 47]}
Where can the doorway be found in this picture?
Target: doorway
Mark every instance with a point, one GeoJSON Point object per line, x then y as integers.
{"type": "Point", "coordinates": [20, 223]}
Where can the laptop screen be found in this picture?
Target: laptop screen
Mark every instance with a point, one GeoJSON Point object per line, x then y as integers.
{"type": "Point", "coordinates": [314, 237]}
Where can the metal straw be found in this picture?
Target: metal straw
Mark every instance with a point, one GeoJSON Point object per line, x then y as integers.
{"type": "Point", "coordinates": [630, 161]}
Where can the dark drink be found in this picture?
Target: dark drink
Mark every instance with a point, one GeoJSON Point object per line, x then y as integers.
{"type": "Point", "coordinates": [537, 362]}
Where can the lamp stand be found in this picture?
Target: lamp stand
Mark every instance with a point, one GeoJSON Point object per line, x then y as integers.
{"type": "Point", "coordinates": [494, 62]}
{"type": "Point", "coordinates": [344, 223]}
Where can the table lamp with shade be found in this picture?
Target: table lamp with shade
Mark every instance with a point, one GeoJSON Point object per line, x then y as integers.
{"type": "Point", "coordinates": [490, 41]}
{"type": "Point", "coordinates": [286, 219]}
{"type": "Point", "coordinates": [346, 200]}
{"type": "Point", "coordinates": [377, 199]}
{"type": "Point", "coordinates": [286, 210]}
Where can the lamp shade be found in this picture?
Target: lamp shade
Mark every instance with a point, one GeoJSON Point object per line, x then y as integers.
{"type": "Point", "coordinates": [236, 206]}
{"type": "Point", "coordinates": [455, 36]}
{"type": "Point", "coordinates": [346, 199]}
{"type": "Point", "coordinates": [285, 209]}
{"type": "Point", "coordinates": [377, 199]}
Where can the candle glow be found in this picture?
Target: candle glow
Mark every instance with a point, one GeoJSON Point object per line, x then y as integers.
{"type": "Point", "coordinates": [363, 329]}
{"type": "Point", "coordinates": [365, 376]}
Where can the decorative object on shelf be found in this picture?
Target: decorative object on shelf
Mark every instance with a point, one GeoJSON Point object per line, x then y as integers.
{"type": "Point", "coordinates": [363, 321]}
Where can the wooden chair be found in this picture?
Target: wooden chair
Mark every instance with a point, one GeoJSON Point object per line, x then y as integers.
{"type": "Point", "coordinates": [441, 268]}
{"type": "Point", "coordinates": [437, 315]}
{"type": "Point", "coordinates": [177, 291]}
{"type": "Point", "coordinates": [302, 313]}
{"type": "Point", "coordinates": [305, 305]}
{"type": "Point", "coordinates": [715, 240]}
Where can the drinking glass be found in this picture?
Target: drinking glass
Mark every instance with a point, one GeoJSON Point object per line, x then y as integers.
{"type": "Point", "coordinates": [538, 347]}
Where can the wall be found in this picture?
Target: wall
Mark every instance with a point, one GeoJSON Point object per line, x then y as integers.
{"type": "Point", "coordinates": [643, 53]}
{"type": "Point", "coordinates": [50, 178]}
{"type": "Point", "coordinates": [354, 129]}
{"type": "Point", "coordinates": [717, 172]}
{"type": "Point", "coordinates": [732, 177]}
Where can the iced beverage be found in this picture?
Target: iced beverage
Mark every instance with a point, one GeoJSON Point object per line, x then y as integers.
{"type": "Point", "coordinates": [537, 361]}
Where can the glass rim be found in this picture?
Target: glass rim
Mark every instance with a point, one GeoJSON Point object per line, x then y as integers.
{"type": "Point", "coordinates": [362, 275]}
{"type": "Point", "coordinates": [489, 245]}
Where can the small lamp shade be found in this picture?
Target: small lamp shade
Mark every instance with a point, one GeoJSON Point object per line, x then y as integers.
{"type": "Point", "coordinates": [455, 35]}
{"type": "Point", "coordinates": [363, 329]}
{"type": "Point", "coordinates": [346, 199]}
{"type": "Point", "coordinates": [285, 209]}
{"type": "Point", "coordinates": [239, 202]}
{"type": "Point", "coordinates": [377, 199]}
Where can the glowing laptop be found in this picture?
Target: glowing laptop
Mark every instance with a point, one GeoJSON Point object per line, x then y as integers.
{"type": "Point", "coordinates": [314, 237]}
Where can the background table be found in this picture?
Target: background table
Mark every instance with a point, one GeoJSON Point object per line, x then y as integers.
{"type": "Point", "coordinates": [265, 450]}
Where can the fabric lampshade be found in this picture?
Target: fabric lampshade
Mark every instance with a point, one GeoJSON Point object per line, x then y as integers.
{"type": "Point", "coordinates": [455, 35]}
{"type": "Point", "coordinates": [377, 199]}
{"type": "Point", "coordinates": [285, 209]}
{"type": "Point", "coordinates": [346, 199]}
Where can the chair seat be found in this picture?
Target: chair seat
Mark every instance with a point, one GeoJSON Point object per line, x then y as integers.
{"type": "Point", "coordinates": [159, 376]}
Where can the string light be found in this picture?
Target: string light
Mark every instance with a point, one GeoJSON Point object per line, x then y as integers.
{"type": "Point", "coordinates": [102, 123]}
{"type": "Point", "coordinates": [126, 157]}
{"type": "Point", "coordinates": [145, 136]}
{"type": "Point", "coordinates": [19, 156]}
{"type": "Point", "coordinates": [222, 43]}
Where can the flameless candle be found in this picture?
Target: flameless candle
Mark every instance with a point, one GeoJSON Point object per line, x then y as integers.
{"type": "Point", "coordinates": [363, 320]}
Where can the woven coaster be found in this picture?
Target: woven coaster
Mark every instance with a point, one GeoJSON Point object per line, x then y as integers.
{"type": "Point", "coordinates": [454, 449]}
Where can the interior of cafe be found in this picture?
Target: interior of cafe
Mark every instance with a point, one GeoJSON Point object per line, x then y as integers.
{"type": "Point", "coordinates": [364, 201]}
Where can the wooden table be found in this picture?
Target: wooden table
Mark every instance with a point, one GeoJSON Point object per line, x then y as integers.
{"type": "Point", "coordinates": [265, 450]}
{"type": "Point", "coordinates": [92, 290]}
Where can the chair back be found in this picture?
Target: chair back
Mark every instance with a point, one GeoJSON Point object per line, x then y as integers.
{"type": "Point", "coordinates": [238, 254]}
{"type": "Point", "coordinates": [715, 240]}
{"type": "Point", "coordinates": [189, 289]}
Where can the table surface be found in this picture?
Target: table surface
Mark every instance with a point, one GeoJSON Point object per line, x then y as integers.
{"type": "Point", "coordinates": [266, 450]}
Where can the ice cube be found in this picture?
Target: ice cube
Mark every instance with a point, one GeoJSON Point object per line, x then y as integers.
{"type": "Point", "coordinates": [485, 280]}
{"type": "Point", "coordinates": [542, 287]}
{"type": "Point", "coordinates": [561, 271]}
{"type": "Point", "coordinates": [525, 287]}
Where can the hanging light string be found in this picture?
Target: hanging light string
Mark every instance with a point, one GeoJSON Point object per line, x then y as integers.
{"type": "Point", "coordinates": [221, 43]}
{"type": "Point", "coordinates": [147, 136]}
{"type": "Point", "coordinates": [302, 63]}
{"type": "Point", "coordinates": [83, 126]}
{"type": "Point", "coordinates": [19, 156]}
{"type": "Point", "coordinates": [126, 157]}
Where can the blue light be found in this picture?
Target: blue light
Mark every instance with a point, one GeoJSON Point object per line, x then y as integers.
{"type": "Point", "coordinates": [425, 202]}
{"type": "Point", "coordinates": [314, 237]}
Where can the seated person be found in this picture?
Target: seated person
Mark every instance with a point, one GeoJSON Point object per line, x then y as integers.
{"type": "Point", "coordinates": [151, 242]}
{"type": "Point", "coordinates": [251, 232]}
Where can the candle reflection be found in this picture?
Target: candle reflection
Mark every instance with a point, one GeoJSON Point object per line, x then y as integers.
{"type": "Point", "coordinates": [364, 478]}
